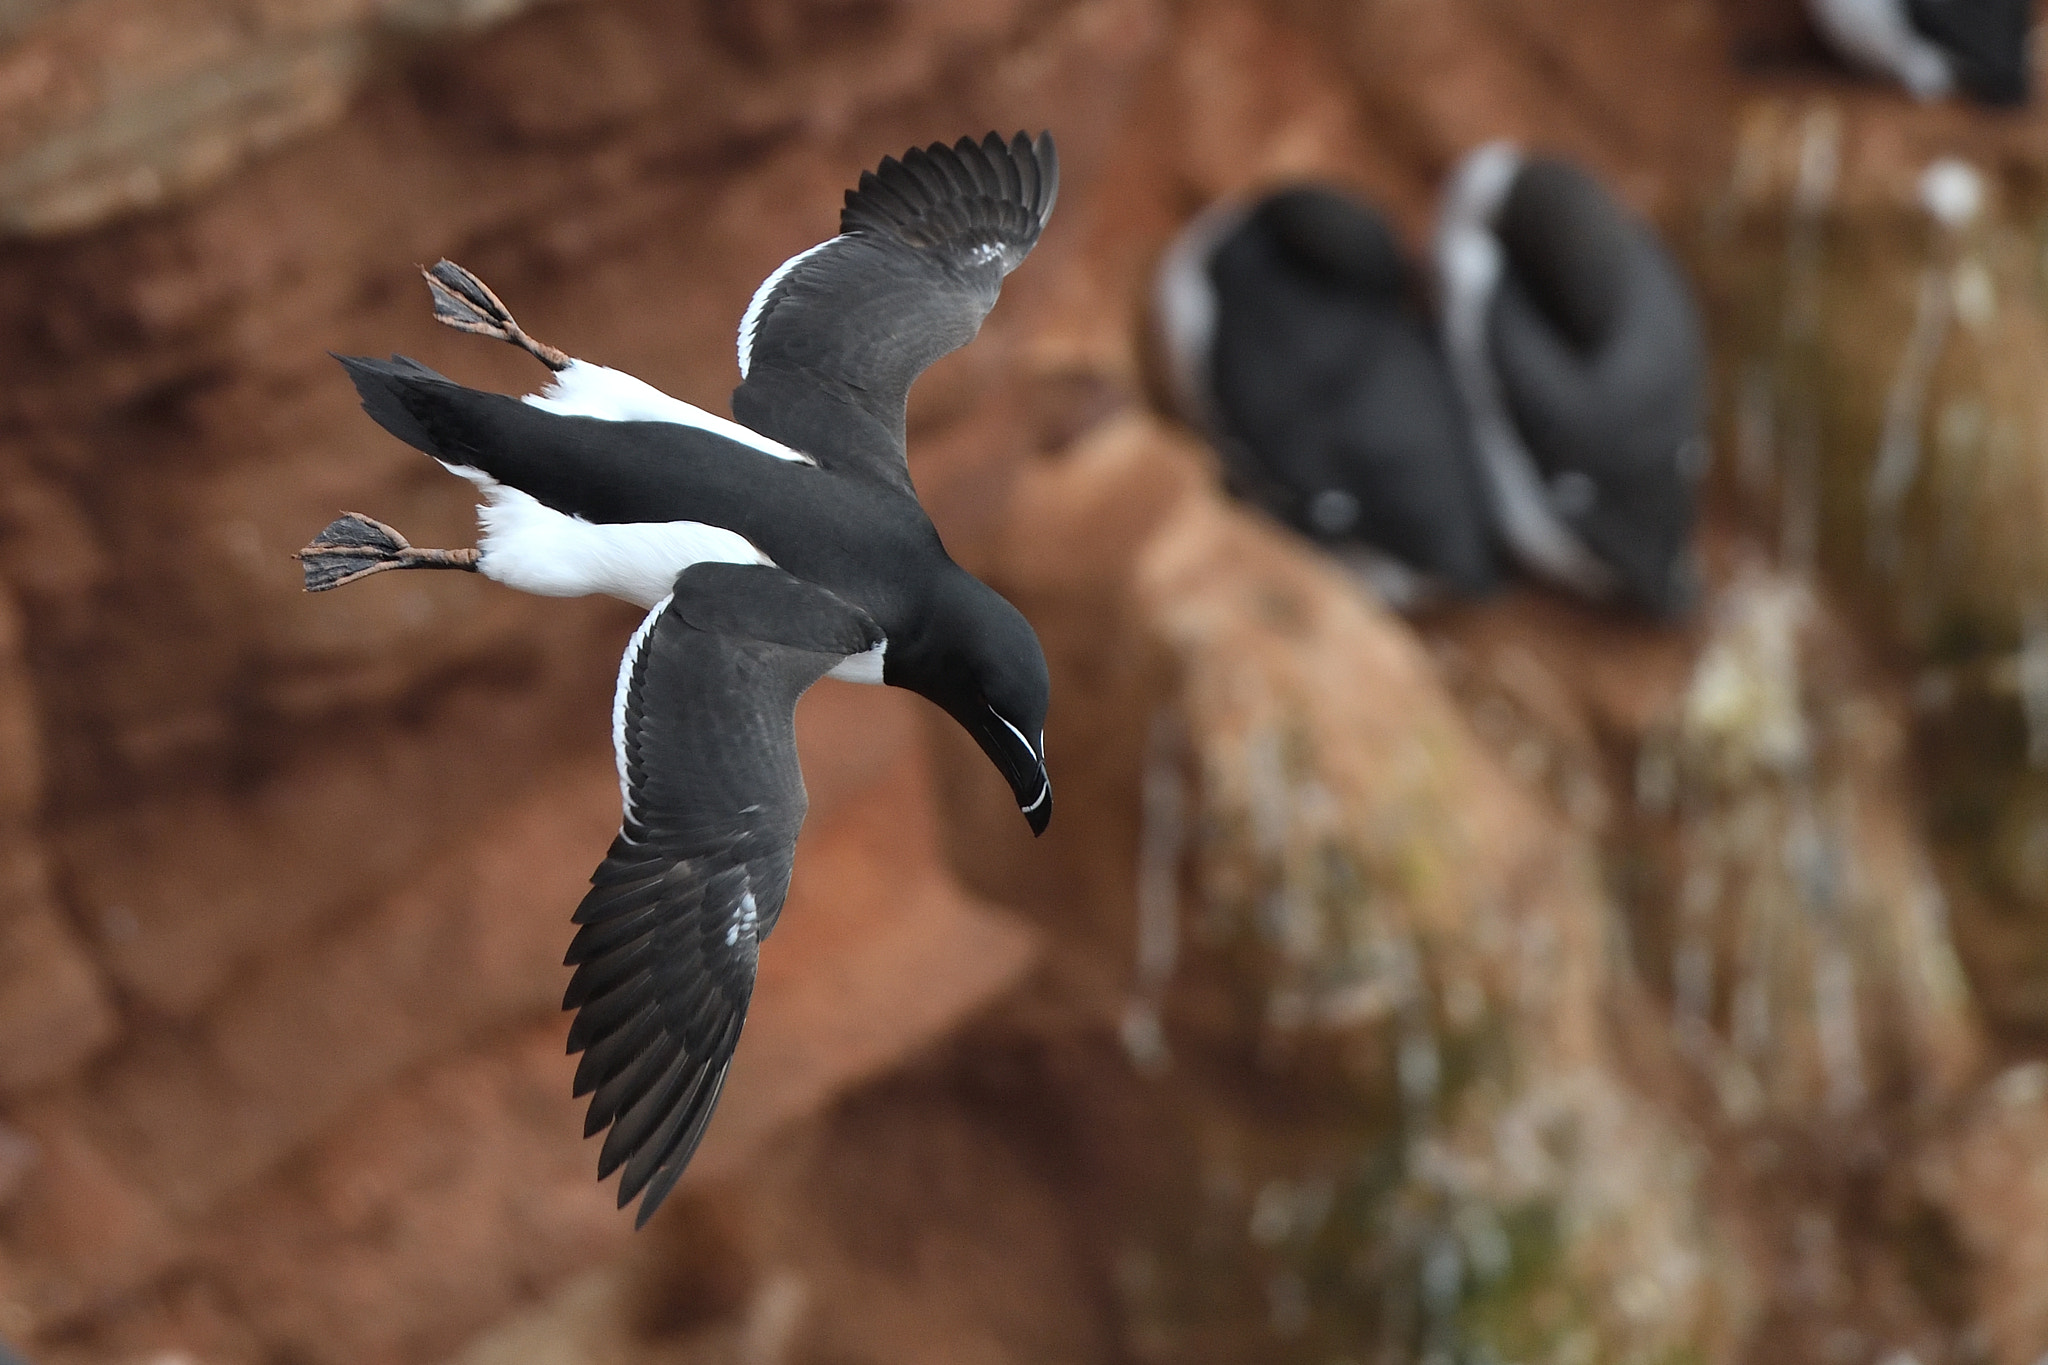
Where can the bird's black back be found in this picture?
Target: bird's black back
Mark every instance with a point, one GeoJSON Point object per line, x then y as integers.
{"type": "Point", "coordinates": [864, 540]}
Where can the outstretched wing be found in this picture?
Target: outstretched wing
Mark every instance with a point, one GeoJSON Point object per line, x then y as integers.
{"type": "Point", "coordinates": [664, 956]}
{"type": "Point", "coordinates": [834, 338]}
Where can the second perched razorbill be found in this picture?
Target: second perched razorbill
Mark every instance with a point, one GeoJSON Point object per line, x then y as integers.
{"type": "Point", "coordinates": [1581, 357]}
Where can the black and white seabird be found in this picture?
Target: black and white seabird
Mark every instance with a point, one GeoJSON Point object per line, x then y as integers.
{"type": "Point", "coordinates": [1934, 47]}
{"type": "Point", "coordinates": [770, 551]}
{"type": "Point", "coordinates": [1294, 338]}
{"type": "Point", "coordinates": [1581, 358]}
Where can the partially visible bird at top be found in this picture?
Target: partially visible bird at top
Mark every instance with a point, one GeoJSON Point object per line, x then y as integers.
{"type": "Point", "coordinates": [1294, 336]}
{"type": "Point", "coordinates": [1580, 354]}
{"type": "Point", "coordinates": [1935, 47]}
{"type": "Point", "coordinates": [769, 551]}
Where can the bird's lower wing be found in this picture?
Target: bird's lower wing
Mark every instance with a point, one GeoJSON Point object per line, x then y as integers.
{"type": "Point", "coordinates": [923, 246]}
{"type": "Point", "coordinates": [665, 949]}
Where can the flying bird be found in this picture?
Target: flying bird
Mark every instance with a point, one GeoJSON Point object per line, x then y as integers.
{"type": "Point", "coordinates": [1932, 47]}
{"type": "Point", "coordinates": [1579, 352]}
{"type": "Point", "coordinates": [770, 551]}
{"type": "Point", "coordinates": [1294, 336]}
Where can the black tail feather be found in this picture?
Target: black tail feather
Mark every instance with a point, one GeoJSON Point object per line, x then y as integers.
{"type": "Point", "coordinates": [383, 386]}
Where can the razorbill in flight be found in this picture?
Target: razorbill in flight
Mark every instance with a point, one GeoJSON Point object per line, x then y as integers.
{"type": "Point", "coordinates": [1579, 352]}
{"type": "Point", "coordinates": [1934, 46]}
{"type": "Point", "coordinates": [1293, 336]}
{"type": "Point", "coordinates": [769, 551]}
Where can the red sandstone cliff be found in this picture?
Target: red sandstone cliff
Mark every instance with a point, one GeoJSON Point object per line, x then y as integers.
{"type": "Point", "coordinates": [1337, 1016]}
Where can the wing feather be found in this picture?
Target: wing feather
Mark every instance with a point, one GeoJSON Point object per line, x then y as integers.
{"type": "Point", "coordinates": [924, 243]}
{"type": "Point", "coordinates": [665, 949]}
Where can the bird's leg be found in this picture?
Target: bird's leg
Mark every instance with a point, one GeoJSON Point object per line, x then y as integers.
{"type": "Point", "coordinates": [355, 546]}
{"type": "Point", "coordinates": [464, 302]}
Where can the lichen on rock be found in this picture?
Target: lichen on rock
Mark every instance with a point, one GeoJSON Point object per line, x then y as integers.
{"type": "Point", "coordinates": [1399, 1128]}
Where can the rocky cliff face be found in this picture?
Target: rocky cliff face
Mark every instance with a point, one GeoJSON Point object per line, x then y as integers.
{"type": "Point", "coordinates": [1522, 984]}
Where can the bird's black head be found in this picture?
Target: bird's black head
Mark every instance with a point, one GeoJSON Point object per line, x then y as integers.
{"type": "Point", "coordinates": [985, 667]}
{"type": "Point", "coordinates": [1334, 237]}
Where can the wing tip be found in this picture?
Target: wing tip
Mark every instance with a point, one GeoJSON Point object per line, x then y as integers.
{"type": "Point", "coordinates": [941, 193]}
{"type": "Point", "coordinates": [658, 1162]}
{"type": "Point", "coordinates": [657, 1042]}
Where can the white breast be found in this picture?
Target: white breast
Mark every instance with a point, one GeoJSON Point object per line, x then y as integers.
{"type": "Point", "coordinates": [1470, 268]}
{"type": "Point", "coordinates": [1184, 307]}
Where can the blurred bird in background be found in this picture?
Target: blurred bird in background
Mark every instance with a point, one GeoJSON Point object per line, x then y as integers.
{"type": "Point", "coordinates": [1935, 47]}
{"type": "Point", "coordinates": [1295, 336]}
{"type": "Point", "coordinates": [1580, 354]}
{"type": "Point", "coordinates": [1553, 413]}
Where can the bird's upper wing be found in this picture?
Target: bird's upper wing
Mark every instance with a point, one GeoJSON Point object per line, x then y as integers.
{"type": "Point", "coordinates": [833, 339]}
{"type": "Point", "coordinates": [665, 952]}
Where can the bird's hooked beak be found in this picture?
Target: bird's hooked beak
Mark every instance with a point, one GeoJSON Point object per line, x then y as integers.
{"type": "Point", "coordinates": [1022, 763]}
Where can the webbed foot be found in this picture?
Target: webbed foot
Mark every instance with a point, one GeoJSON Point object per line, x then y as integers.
{"type": "Point", "coordinates": [355, 546]}
{"type": "Point", "coordinates": [466, 303]}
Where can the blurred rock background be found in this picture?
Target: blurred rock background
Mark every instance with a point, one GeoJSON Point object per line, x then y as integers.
{"type": "Point", "coordinates": [1527, 984]}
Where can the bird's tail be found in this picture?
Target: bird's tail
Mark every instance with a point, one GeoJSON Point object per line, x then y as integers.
{"type": "Point", "coordinates": [385, 387]}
